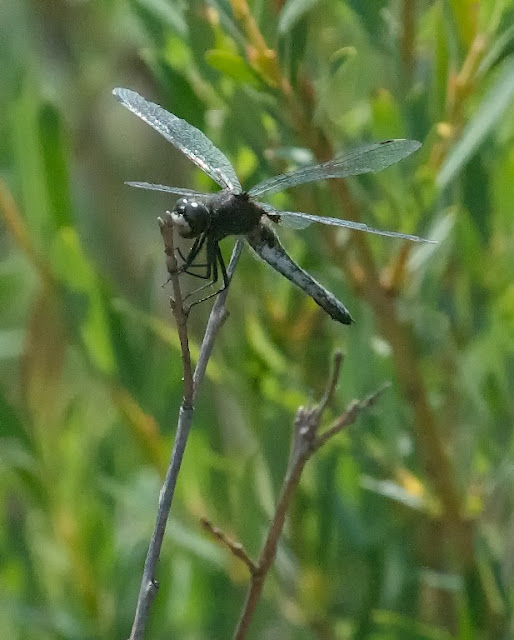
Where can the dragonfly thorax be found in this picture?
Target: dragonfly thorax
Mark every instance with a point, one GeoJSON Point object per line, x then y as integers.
{"type": "Point", "coordinates": [233, 214]}
{"type": "Point", "coordinates": [190, 217]}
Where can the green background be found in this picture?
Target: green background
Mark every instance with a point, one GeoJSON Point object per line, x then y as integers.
{"type": "Point", "coordinates": [403, 527]}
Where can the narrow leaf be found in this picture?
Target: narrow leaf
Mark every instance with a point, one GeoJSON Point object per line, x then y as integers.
{"type": "Point", "coordinates": [233, 66]}
{"type": "Point", "coordinates": [292, 12]}
{"type": "Point", "coordinates": [55, 161]}
{"type": "Point", "coordinates": [494, 104]}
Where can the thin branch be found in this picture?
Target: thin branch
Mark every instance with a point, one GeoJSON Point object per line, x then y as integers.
{"type": "Point", "coordinates": [305, 443]}
{"type": "Point", "coordinates": [236, 548]}
{"type": "Point", "coordinates": [407, 40]}
{"type": "Point", "coordinates": [149, 584]}
{"type": "Point", "coordinates": [17, 227]}
{"type": "Point", "coordinates": [332, 383]}
{"type": "Point", "coordinates": [217, 317]}
{"type": "Point", "coordinates": [349, 415]}
{"type": "Point", "coordinates": [167, 228]}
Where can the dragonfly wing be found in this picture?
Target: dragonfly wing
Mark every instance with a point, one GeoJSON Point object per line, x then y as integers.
{"type": "Point", "coordinates": [294, 222]}
{"type": "Point", "coordinates": [190, 140]}
{"type": "Point", "coordinates": [178, 191]}
{"type": "Point", "coordinates": [348, 224]}
{"type": "Point", "coordinates": [368, 159]}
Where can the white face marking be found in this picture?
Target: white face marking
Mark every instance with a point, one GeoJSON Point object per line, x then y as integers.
{"type": "Point", "coordinates": [180, 222]}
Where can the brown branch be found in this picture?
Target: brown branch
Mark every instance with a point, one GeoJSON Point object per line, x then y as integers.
{"type": "Point", "coordinates": [407, 39]}
{"type": "Point", "coordinates": [149, 584]}
{"type": "Point", "coordinates": [236, 548]}
{"type": "Point", "coordinates": [332, 382]}
{"type": "Point", "coordinates": [18, 229]}
{"type": "Point", "coordinates": [349, 415]}
{"type": "Point", "coordinates": [167, 229]}
{"type": "Point", "coordinates": [262, 58]}
{"type": "Point", "coordinates": [305, 442]}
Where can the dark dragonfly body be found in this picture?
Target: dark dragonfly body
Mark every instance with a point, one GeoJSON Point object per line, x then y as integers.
{"type": "Point", "coordinates": [208, 218]}
{"type": "Point", "coordinates": [237, 214]}
{"type": "Point", "coordinates": [264, 241]}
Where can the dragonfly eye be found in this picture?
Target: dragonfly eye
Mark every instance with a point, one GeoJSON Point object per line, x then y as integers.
{"type": "Point", "coordinates": [191, 217]}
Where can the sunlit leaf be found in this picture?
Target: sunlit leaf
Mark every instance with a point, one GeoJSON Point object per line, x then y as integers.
{"type": "Point", "coordinates": [501, 48]}
{"type": "Point", "coordinates": [164, 12]}
{"type": "Point", "coordinates": [494, 104]}
{"type": "Point", "coordinates": [465, 16]}
{"type": "Point", "coordinates": [233, 66]}
{"type": "Point", "coordinates": [55, 159]}
{"type": "Point", "coordinates": [29, 163]}
{"type": "Point", "coordinates": [75, 270]}
{"type": "Point", "coordinates": [292, 11]}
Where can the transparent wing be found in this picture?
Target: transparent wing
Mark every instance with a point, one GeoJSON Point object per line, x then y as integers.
{"type": "Point", "coordinates": [289, 221]}
{"type": "Point", "coordinates": [190, 140]}
{"type": "Point", "coordinates": [178, 191]}
{"type": "Point", "coordinates": [368, 159]}
{"type": "Point", "coordinates": [288, 216]}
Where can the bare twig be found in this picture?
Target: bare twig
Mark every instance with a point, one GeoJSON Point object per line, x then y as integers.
{"type": "Point", "coordinates": [305, 443]}
{"type": "Point", "coordinates": [236, 548]}
{"type": "Point", "coordinates": [332, 383]}
{"type": "Point", "coordinates": [149, 584]}
{"type": "Point", "coordinates": [166, 226]}
{"type": "Point", "coordinates": [349, 415]}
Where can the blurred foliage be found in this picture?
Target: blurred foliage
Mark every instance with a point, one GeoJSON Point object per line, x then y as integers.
{"type": "Point", "coordinates": [404, 526]}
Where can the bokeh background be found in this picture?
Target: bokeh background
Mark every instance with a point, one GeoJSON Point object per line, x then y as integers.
{"type": "Point", "coordinates": [403, 527]}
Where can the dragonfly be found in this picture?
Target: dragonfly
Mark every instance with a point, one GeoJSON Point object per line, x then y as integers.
{"type": "Point", "coordinates": [208, 218]}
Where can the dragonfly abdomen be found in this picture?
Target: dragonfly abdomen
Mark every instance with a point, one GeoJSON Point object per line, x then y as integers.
{"type": "Point", "coordinates": [266, 244]}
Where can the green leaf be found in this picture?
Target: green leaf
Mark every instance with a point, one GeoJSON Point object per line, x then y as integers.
{"type": "Point", "coordinates": [493, 106]}
{"type": "Point", "coordinates": [439, 78]}
{"type": "Point", "coordinates": [262, 345]}
{"type": "Point", "coordinates": [74, 269]}
{"type": "Point", "coordinates": [293, 11]}
{"type": "Point", "coordinates": [163, 13]}
{"type": "Point", "coordinates": [465, 14]}
{"type": "Point", "coordinates": [28, 161]}
{"type": "Point", "coordinates": [372, 16]}
{"type": "Point", "coordinates": [55, 160]}
{"type": "Point", "coordinates": [11, 343]}
{"type": "Point", "coordinates": [501, 48]}
{"type": "Point", "coordinates": [233, 66]}
{"type": "Point", "coordinates": [387, 116]}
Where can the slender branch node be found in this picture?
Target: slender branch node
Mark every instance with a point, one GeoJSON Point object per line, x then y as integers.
{"type": "Point", "coordinates": [236, 548]}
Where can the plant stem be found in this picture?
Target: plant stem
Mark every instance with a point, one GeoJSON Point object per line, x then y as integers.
{"type": "Point", "coordinates": [149, 584]}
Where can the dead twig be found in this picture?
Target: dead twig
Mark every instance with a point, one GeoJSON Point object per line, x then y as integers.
{"type": "Point", "coordinates": [236, 548]}
{"type": "Point", "coordinates": [149, 584]}
{"type": "Point", "coordinates": [305, 442]}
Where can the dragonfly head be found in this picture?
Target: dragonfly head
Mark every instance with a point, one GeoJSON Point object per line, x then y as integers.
{"type": "Point", "coordinates": [191, 217]}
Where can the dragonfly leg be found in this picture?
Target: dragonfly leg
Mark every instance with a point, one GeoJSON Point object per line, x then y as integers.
{"type": "Point", "coordinates": [193, 252]}
{"type": "Point", "coordinates": [212, 269]}
{"type": "Point", "coordinates": [217, 258]}
{"type": "Point", "coordinates": [188, 261]}
{"type": "Point", "coordinates": [198, 265]}
{"type": "Point", "coordinates": [223, 268]}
